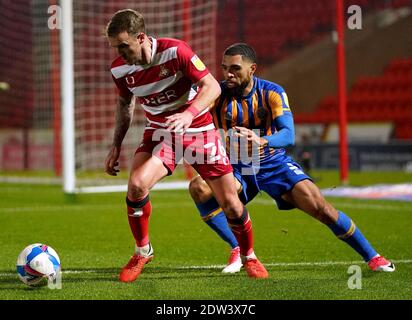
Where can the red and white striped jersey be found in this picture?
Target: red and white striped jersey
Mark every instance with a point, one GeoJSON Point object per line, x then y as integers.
{"type": "Point", "coordinates": [166, 85]}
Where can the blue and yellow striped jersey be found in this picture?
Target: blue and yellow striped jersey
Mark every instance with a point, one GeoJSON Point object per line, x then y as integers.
{"type": "Point", "coordinates": [258, 110]}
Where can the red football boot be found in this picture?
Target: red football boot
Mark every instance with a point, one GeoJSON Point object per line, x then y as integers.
{"type": "Point", "coordinates": [134, 268]}
{"type": "Point", "coordinates": [379, 263]}
{"type": "Point", "coordinates": [255, 269]}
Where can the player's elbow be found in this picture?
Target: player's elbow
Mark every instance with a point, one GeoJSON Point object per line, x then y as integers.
{"type": "Point", "coordinates": [216, 89]}
{"type": "Point", "coordinates": [210, 87]}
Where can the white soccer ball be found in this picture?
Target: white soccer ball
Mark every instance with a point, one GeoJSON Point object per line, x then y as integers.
{"type": "Point", "coordinates": [37, 263]}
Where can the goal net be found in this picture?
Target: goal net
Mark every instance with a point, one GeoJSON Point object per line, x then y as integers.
{"type": "Point", "coordinates": [60, 93]}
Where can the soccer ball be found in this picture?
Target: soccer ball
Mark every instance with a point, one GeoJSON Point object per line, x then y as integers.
{"type": "Point", "coordinates": [37, 264]}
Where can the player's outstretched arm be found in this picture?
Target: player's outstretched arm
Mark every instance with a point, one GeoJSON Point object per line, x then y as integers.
{"type": "Point", "coordinates": [285, 135]}
{"type": "Point", "coordinates": [124, 117]}
{"type": "Point", "coordinates": [209, 92]}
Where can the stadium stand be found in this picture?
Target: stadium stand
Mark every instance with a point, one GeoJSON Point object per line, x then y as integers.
{"type": "Point", "coordinates": [387, 97]}
{"type": "Point", "coordinates": [290, 26]}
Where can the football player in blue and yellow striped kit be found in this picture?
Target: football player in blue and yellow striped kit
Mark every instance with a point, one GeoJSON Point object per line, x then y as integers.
{"type": "Point", "coordinates": [257, 111]}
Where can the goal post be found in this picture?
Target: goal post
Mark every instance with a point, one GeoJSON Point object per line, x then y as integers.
{"type": "Point", "coordinates": [67, 97]}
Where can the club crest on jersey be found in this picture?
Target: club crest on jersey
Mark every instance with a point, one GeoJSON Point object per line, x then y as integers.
{"type": "Point", "coordinates": [130, 80]}
{"type": "Point", "coordinates": [198, 63]}
{"type": "Point", "coordinates": [164, 72]}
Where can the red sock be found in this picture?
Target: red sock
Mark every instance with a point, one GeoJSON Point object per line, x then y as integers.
{"type": "Point", "coordinates": [138, 213]}
{"type": "Point", "coordinates": [242, 229]}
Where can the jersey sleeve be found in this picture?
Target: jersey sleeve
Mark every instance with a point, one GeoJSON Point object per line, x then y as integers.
{"type": "Point", "coordinates": [278, 103]}
{"type": "Point", "coordinates": [122, 89]}
{"type": "Point", "coordinates": [190, 64]}
{"type": "Point", "coordinates": [282, 119]}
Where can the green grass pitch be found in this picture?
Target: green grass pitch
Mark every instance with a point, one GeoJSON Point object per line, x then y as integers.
{"type": "Point", "coordinates": [305, 261]}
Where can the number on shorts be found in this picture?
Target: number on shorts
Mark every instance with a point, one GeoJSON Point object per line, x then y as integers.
{"type": "Point", "coordinates": [213, 152]}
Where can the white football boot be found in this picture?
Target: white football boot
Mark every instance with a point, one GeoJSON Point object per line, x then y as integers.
{"type": "Point", "coordinates": [235, 262]}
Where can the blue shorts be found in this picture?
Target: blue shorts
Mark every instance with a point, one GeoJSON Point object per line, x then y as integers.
{"type": "Point", "coordinates": [275, 177]}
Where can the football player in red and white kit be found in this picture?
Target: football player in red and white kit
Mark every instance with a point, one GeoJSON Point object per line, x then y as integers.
{"type": "Point", "coordinates": [175, 89]}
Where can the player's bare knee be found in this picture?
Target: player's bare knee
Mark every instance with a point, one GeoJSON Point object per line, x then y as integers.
{"type": "Point", "coordinates": [199, 190]}
{"type": "Point", "coordinates": [195, 188]}
{"type": "Point", "coordinates": [232, 208]}
{"type": "Point", "coordinates": [323, 211]}
{"type": "Point", "coordinates": [312, 204]}
{"type": "Point", "coordinates": [329, 215]}
{"type": "Point", "coordinates": [136, 191]}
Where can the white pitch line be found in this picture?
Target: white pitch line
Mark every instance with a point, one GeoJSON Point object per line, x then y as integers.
{"type": "Point", "coordinates": [220, 266]}
{"type": "Point", "coordinates": [88, 206]}
{"type": "Point", "coordinates": [293, 264]}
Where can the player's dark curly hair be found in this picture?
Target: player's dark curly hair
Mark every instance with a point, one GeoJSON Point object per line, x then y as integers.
{"type": "Point", "coordinates": [243, 49]}
{"type": "Point", "coordinates": [125, 20]}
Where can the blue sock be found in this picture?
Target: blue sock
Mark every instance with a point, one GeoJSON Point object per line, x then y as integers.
{"type": "Point", "coordinates": [215, 218]}
{"type": "Point", "coordinates": [346, 230]}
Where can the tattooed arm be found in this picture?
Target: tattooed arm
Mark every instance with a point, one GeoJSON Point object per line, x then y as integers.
{"type": "Point", "coordinates": [124, 117]}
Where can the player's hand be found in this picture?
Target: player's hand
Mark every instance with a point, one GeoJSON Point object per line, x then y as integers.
{"type": "Point", "coordinates": [250, 135]}
{"type": "Point", "coordinates": [111, 162]}
{"type": "Point", "coordinates": [179, 122]}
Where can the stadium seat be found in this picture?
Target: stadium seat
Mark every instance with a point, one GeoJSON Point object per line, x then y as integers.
{"type": "Point", "coordinates": [383, 98]}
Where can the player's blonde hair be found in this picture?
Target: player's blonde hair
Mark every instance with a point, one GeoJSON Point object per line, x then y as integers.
{"type": "Point", "coordinates": [127, 20]}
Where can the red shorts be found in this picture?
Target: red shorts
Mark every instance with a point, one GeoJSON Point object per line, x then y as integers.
{"type": "Point", "coordinates": [204, 151]}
